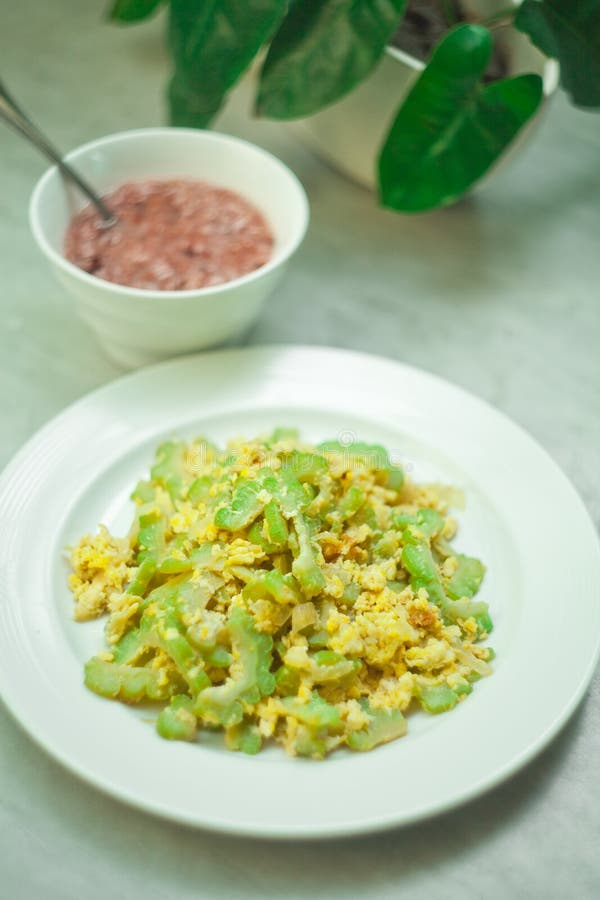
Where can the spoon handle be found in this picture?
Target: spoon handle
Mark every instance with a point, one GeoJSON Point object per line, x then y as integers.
{"type": "Point", "coordinates": [16, 118]}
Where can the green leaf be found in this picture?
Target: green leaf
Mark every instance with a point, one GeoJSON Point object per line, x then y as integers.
{"type": "Point", "coordinates": [212, 43]}
{"type": "Point", "coordinates": [321, 51]}
{"type": "Point", "coordinates": [568, 30]}
{"type": "Point", "coordinates": [132, 10]}
{"type": "Point", "coordinates": [451, 128]}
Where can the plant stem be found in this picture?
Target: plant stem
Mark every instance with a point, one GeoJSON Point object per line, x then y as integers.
{"type": "Point", "coordinates": [449, 12]}
{"type": "Point", "coordinates": [501, 18]}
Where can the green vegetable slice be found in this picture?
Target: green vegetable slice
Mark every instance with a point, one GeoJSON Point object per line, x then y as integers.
{"type": "Point", "coordinates": [169, 470]}
{"type": "Point", "coordinates": [418, 561]}
{"type": "Point", "coordinates": [167, 632]}
{"type": "Point", "coordinates": [305, 566]}
{"type": "Point", "coordinates": [143, 492]}
{"type": "Point", "coordinates": [308, 467]}
{"type": "Point", "coordinates": [151, 535]}
{"type": "Point", "coordinates": [224, 704]}
{"type": "Point", "coordinates": [315, 713]}
{"type": "Point", "coordinates": [243, 736]}
{"type": "Point", "coordinates": [283, 434]}
{"type": "Point", "coordinates": [438, 698]}
{"type": "Point", "coordinates": [328, 666]}
{"type": "Point", "coordinates": [145, 572]}
{"type": "Point", "coordinates": [290, 495]}
{"type": "Point", "coordinates": [307, 743]}
{"type": "Point", "coordinates": [130, 646]}
{"type": "Point", "coordinates": [199, 490]}
{"type": "Point", "coordinates": [246, 505]}
{"type": "Point", "coordinates": [273, 585]}
{"type": "Point", "coordinates": [467, 578]}
{"type": "Point", "coordinates": [177, 721]}
{"type": "Point", "coordinates": [287, 680]}
{"type": "Point", "coordinates": [384, 725]}
{"type": "Point", "coordinates": [428, 521]}
{"type": "Point", "coordinates": [276, 530]}
{"type": "Point", "coordinates": [127, 683]}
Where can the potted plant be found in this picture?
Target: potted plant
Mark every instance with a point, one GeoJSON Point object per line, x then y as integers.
{"type": "Point", "coordinates": [421, 97]}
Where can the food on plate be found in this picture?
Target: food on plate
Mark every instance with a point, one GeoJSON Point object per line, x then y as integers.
{"type": "Point", "coordinates": [171, 235]}
{"type": "Point", "coordinates": [280, 590]}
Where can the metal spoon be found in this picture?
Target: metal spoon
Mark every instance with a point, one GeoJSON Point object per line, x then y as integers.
{"type": "Point", "coordinates": [14, 116]}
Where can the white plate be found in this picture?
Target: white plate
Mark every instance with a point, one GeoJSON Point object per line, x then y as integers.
{"type": "Point", "coordinates": [523, 519]}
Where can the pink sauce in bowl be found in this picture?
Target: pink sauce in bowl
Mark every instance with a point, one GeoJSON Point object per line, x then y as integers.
{"type": "Point", "coordinates": [172, 235]}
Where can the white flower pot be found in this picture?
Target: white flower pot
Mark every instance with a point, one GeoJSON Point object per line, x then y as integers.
{"type": "Point", "coordinates": [350, 133]}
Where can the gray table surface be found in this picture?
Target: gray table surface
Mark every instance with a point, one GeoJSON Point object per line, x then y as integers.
{"type": "Point", "coordinates": [499, 294]}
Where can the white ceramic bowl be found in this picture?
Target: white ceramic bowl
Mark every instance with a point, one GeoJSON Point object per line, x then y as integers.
{"type": "Point", "coordinates": [141, 326]}
{"type": "Point", "coordinates": [350, 133]}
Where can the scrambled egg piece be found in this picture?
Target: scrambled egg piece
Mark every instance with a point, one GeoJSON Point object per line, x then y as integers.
{"type": "Point", "coordinates": [101, 566]}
